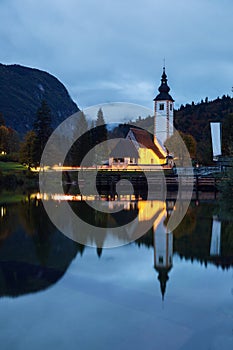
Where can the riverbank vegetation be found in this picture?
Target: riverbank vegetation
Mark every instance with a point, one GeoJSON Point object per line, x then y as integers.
{"type": "Point", "coordinates": [226, 194]}
{"type": "Point", "coordinates": [14, 174]}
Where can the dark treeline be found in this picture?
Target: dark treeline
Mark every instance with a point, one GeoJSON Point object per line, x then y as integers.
{"type": "Point", "coordinates": [193, 122]}
{"type": "Point", "coordinates": [92, 133]}
{"type": "Point", "coordinates": [32, 147]}
{"type": "Point", "coordinates": [195, 119]}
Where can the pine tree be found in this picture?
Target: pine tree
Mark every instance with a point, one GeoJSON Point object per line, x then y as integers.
{"type": "Point", "coordinates": [82, 144]}
{"type": "Point", "coordinates": [101, 132]}
{"type": "Point", "coordinates": [27, 153]}
{"type": "Point", "coordinates": [42, 128]}
{"type": "Point", "coordinates": [100, 135]}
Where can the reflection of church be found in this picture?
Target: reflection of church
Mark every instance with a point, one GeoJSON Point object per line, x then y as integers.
{"type": "Point", "coordinates": [162, 240]}
{"type": "Point", "coordinates": [155, 212]}
{"type": "Point", "coordinates": [163, 252]}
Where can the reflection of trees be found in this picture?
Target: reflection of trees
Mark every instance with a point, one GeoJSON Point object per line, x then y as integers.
{"type": "Point", "coordinates": [226, 197]}
{"type": "Point", "coordinates": [194, 244]}
{"type": "Point", "coordinates": [187, 225]}
{"type": "Point", "coordinates": [192, 239]}
{"type": "Point", "coordinates": [146, 239]}
{"type": "Point", "coordinates": [7, 222]}
{"type": "Point", "coordinates": [227, 242]}
{"type": "Point", "coordinates": [96, 218]}
{"type": "Point", "coordinates": [27, 214]}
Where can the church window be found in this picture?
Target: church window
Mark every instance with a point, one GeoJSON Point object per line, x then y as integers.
{"type": "Point", "coordinates": [171, 107]}
{"type": "Point", "coordinates": [161, 106]}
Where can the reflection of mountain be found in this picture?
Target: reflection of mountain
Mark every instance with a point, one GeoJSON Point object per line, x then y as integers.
{"type": "Point", "coordinates": [19, 278]}
{"type": "Point", "coordinates": [35, 256]}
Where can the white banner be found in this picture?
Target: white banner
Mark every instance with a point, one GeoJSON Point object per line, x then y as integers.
{"type": "Point", "coordinates": [216, 138]}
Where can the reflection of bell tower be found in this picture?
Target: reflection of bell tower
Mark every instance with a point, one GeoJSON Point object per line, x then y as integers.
{"type": "Point", "coordinates": [163, 251]}
{"type": "Point", "coordinates": [163, 111]}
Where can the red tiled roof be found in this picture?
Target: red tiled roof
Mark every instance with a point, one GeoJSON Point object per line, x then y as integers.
{"type": "Point", "coordinates": [143, 137]}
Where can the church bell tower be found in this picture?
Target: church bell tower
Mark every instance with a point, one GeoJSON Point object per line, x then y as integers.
{"type": "Point", "coordinates": [163, 111]}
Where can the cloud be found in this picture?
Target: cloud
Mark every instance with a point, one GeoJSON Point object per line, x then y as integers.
{"type": "Point", "coordinates": [118, 112]}
{"type": "Point", "coordinates": [113, 51]}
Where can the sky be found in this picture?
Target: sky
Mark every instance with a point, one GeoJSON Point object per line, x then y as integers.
{"type": "Point", "coordinates": [113, 51]}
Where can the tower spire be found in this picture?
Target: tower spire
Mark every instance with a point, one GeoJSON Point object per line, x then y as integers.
{"type": "Point", "coordinates": [163, 109]}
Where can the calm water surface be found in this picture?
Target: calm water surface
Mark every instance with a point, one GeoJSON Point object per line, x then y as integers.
{"type": "Point", "coordinates": [164, 291]}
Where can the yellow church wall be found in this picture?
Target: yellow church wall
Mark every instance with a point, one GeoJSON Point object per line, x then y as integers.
{"type": "Point", "coordinates": [147, 156]}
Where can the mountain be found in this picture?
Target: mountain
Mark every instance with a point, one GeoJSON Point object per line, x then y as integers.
{"type": "Point", "coordinates": [21, 91]}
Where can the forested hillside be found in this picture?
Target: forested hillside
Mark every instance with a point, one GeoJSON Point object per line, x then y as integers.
{"type": "Point", "coordinates": [195, 119]}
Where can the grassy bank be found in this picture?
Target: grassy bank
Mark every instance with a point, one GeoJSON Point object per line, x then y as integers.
{"type": "Point", "coordinates": [12, 168]}
{"type": "Point", "coordinates": [13, 174]}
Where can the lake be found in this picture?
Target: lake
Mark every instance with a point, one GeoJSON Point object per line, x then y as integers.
{"type": "Point", "coordinates": [166, 290]}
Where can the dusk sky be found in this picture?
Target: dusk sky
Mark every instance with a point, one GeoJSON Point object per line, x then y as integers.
{"type": "Point", "coordinates": [113, 51]}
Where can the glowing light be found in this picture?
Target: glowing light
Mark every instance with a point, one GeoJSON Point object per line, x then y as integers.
{"type": "Point", "coordinates": [3, 211]}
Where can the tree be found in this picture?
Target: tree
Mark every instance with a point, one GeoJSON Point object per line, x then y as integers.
{"type": "Point", "coordinates": [42, 128]}
{"type": "Point", "coordinates": [4, 139]}
{"type": "Point", "coordinates": [100, 118]}
{"type": "Point", "coordinates": [226, 194]}
{"type": "Point", "coordinates": [190, 143]}
{"type": "Point", "coordinates": [100, 135]}
{"type": "Point", "coordinates": [28, 149]}
{"type": "Point", "coordinates": [176, 145]}
{"type": "Point", "coordinates": [82, 144]}
{"type": "Point", "coordinates": [9, 140]}
{"type": "Point", "coordinates": [227, 135]}
{"type": "Point", "coordinates": [101, 129]}
{"type": "Point", "coordinates": [13, 141]}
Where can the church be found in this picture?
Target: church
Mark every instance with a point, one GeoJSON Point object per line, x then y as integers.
{"type": "Point", "coordinates": [142, 148]}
